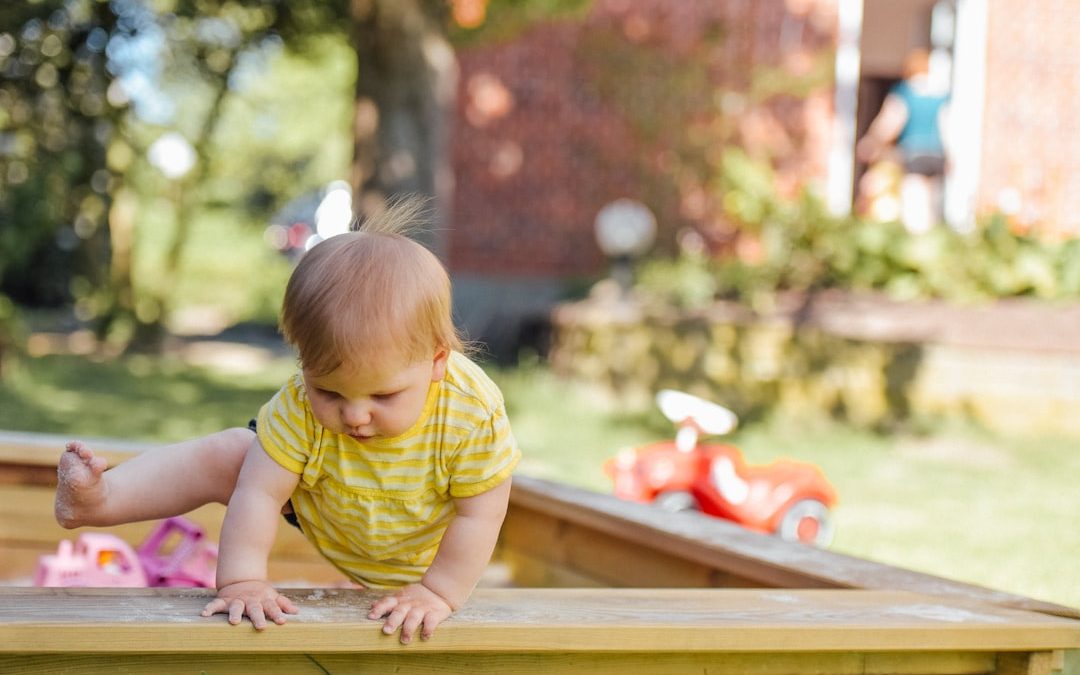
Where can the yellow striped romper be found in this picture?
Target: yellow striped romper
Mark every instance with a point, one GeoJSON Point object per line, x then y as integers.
{"type": "Point", "coordinates": [378, 509]}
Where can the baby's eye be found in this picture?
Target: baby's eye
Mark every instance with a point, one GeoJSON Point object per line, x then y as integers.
{"type": "Point", "coordinates": [327, 393]}
{"type": "Point", "coordinates": [385, 397]}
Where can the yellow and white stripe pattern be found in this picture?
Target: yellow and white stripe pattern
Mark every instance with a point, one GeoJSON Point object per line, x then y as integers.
{"type": "Point", "coordinates": [378, 509]}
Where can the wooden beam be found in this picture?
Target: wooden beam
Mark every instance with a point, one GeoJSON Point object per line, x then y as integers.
{"type": "Point", "coordinates": [537, 630]}
{"type": "Point", "coordinates": [29, 449]}
{"type": "Point", "coordinates": [1038, 663]}
{"type": "Point", "coordinates": [603, 538]}
{"type": "Point", "coordinates": [494, 663]}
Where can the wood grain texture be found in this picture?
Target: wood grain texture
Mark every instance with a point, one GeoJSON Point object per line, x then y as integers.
{"type": "Point", "coordinates": [426, 663]}
{"type": "Point", "coordinates": [536, 620]}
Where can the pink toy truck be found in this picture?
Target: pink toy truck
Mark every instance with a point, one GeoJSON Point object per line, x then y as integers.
{"type": "Point", "coordinates": [94, 560]}
{"type": "Point", "coordinates": [177, 553]}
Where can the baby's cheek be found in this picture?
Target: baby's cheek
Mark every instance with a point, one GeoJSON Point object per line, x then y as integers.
{"type": "Point", "coordinates": [324, 414]}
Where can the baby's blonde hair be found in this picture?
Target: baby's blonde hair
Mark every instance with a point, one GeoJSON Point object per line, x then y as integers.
{"type": "Point", "coordinates": [370, 298]}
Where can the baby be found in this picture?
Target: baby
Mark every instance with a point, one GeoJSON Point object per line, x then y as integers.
{"type": "Point", "coordinates": [390, 449]}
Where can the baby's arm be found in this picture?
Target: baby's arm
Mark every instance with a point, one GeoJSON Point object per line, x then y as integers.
{"type": "Point", "coordinates": [247, 534]}
{"type": "Point", "coordinates": [465, 551]}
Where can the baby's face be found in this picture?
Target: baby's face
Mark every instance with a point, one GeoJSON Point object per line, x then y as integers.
{"type": "Point", "coordinates": [367, 405]}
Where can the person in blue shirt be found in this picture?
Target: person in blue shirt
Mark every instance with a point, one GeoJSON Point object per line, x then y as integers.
{"type": "Point", "coordinates": [912, 120]}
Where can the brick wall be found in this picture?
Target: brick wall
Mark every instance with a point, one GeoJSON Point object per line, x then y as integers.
{"type": "Point", "coordinates": [540, 146]}
{"type": "Point", "coordinates": [550, 126]}
{"type": "Point", "coordinates": [536, 153]}
{"type": "Point", "coordinates": [1031, 146]}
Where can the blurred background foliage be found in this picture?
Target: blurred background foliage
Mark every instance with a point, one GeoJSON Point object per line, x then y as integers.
{"type": "Point", "coordinates": [794, 244]}
{"type": "Point", "coordinates": [263, 93]}
{"type": "Point", "coordinates": [88, 85]}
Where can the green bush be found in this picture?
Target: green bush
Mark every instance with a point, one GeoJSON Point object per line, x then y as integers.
{"type": "Point", "coordinates": [9, 329]}
{"type": "Point", "coordinates": [796, 245]}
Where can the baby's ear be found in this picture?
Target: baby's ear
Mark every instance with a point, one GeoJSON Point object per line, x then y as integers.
{"type": "Point", "coordinates": [438, 364]}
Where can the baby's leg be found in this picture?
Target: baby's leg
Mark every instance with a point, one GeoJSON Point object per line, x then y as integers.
{"type": "Point", "coordinates": [159, 483]}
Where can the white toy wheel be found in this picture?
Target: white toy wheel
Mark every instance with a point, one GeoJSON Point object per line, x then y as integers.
{"type": "Point", "coordinates": [807, 521]}
{"type": "Point", "coordinates": [676, 500]}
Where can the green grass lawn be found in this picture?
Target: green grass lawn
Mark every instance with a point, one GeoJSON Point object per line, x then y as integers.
{"type": "Point", "coordinates": [1000, 512]}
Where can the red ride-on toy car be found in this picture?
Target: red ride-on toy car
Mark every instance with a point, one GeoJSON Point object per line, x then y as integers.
{"type": "Point", "coordinates": [787, 498]}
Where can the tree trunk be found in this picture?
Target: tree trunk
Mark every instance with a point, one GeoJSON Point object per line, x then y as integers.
{"type": "Point", "coordinates": [405, 87]}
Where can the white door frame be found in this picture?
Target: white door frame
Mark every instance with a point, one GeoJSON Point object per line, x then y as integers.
{"type": "Point", "coordinates": [840, 185]}
{"type": "Point", "coordinates": [964, 135]}
{"type": "Point", "coordinates": [966, 111]}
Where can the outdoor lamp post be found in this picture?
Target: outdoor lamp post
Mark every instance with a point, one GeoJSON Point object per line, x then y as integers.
{"type": "Point", "coordinates": [625, 229]}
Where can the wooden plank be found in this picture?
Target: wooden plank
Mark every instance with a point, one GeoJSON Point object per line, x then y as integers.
{"type": "Point", "coordinates": [735, 555]}
{"type": "Point", "coordinates": [536, 620]}
{"type": "Point", "coordinates": [1037, 663]}
{"type": "Point", "coordinates": [654, 663]}
{"type": "Point", "coordinates": [44, 450]}
{"type": "Point", "coordinates": [26, 514]}
{"type": "Point", "coordinates": [597, 555]}
{"type": "Point", "coordinates": [535, 572]}
{"type": "Point", "coordinates": [28, 530]}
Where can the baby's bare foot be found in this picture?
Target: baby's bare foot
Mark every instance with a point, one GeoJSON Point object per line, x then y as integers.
{"type": "Point", "coordinates": [80, 491]}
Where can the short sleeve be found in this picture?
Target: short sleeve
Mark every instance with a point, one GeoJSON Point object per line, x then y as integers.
{"type": "Point", "coordinates": [485, 457]}
{"type": "Point", "coordinates": [286, 427]}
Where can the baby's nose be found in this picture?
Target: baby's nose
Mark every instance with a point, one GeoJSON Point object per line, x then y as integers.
{"type": "Point", "coordinates": [356, 414]}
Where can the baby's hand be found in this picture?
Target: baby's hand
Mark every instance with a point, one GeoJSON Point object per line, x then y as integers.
{"type": "Point", "coordinates": [410, 608]}
{"type": "Point", "coordinates": [257, 599]}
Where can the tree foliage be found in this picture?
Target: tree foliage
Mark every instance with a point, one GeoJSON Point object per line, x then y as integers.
{"type": "Point", "coordinates": [795, 245]}
{"type": "Point", "coordinates": [87, 86]}
{"type": "Point", "coordinates": [56, 117]}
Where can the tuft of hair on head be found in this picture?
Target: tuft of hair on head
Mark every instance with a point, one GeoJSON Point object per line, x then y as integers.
{"type": "Point", "coordinates": [370, 298]}
{"type": "Point", "coordinates": [406, 215]}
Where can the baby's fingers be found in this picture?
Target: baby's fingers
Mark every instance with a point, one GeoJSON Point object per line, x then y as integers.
{"type": "Point", "coordinates": [431, 622]}
{"type": "Point", "coordinates": [382, 607]}
{"type": "Point", "coordinates": [215, 606]}
{"type": "Point", "coordinates": [412, 621]}
{"type": "Point", "coordinates": [395, 618]}
{"type": "Point", "coordinates": [274, 613]}
{"type": "Point", "coordinates": [286, 605]}
{"type": "Point", "coordinates": [254, 612]}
